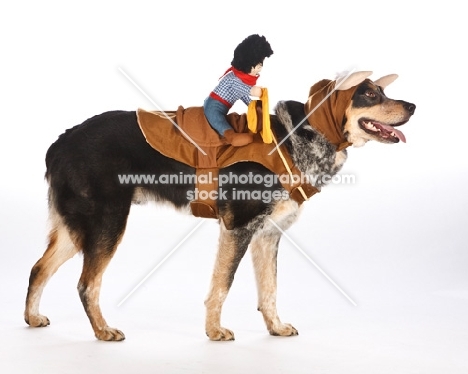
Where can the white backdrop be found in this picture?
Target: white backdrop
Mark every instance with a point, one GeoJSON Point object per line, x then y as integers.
{"type": "Point", "coordinates": [395, 241]}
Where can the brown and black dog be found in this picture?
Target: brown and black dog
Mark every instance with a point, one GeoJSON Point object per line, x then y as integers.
{"type": "Point", "coordinates": [89, 205]}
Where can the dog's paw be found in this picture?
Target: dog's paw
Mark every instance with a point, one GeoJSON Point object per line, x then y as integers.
{"type": "Point", "coordinates": [110, 334]}
{"type": "Point", "coordinates": [37, 321]}
{"type": "Point", "coordinates": [283, 329]}
{"type": "Point", "coordinates": [220, 334]}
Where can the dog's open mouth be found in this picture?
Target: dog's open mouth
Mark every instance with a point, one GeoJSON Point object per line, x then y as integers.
{"type": "Point", "coordinates": [385, 132]}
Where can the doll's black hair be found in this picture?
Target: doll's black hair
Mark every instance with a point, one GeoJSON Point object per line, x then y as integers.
{"type": "Point", "coordinates": [251, 52]}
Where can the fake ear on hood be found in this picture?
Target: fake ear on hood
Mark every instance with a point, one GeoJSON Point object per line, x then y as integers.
{"type": "Point", "coordinates": [345, 83]}
{"type": "Point", "coordinates": [386, 80]}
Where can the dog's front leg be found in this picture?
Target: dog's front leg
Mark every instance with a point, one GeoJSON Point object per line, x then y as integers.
{"type": "Point", "coordinates": [232, 247]}
{"type": "Point", "coordinates": [264, 249]}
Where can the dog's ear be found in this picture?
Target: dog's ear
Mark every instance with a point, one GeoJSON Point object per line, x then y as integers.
{"type": "Point", "coordinates": [386, 80]}
{"type": "Point", "coordinates": [345, 83]}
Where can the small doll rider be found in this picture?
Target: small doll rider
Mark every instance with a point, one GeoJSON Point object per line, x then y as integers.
{"type": "Point", "coordinates": [239, 82]}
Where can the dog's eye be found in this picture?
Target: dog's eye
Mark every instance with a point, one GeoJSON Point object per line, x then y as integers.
{"type": "Point", "coordinates": [370, 93]}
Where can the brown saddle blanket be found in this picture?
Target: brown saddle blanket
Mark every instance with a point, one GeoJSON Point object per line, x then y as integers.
{"type": "Point", "coordinates": [186, 136]}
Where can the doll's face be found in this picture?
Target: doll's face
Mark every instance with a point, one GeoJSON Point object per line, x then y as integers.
{"type": "Point", "coordinates": [256, 69]}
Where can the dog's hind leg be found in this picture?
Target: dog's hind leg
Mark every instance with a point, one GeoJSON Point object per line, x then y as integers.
{"type": "Point", "coordinates": [232, 247]}
{"type": "Point", "coordinates": [264, 248]}
{"type": "Point", "coordinates": [100, 244]}
{"type": "Point", "coordinates": [60, 249]}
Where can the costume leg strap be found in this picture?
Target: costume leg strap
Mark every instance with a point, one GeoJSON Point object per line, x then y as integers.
{"type": "Point", "coordinates": [206, 193]}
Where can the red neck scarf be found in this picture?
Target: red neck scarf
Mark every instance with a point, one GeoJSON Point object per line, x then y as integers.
{"type": "Point", "coordinates": [251, 80]}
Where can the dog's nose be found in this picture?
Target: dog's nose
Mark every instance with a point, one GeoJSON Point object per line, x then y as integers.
{"type": "Point", "coordinates": [409, 107]}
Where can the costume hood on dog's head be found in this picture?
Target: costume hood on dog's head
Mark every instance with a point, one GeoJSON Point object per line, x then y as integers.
{"type": "Point", "coordinates": [251, 52]}
{"type": "Point", "coordinates": [329, 100]}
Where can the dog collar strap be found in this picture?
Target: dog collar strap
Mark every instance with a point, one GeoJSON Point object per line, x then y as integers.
{"type": "Point", "coordinates": [343, 145]}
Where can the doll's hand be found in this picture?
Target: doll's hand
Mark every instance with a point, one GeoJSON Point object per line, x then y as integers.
{"type": "Point", "coordinates": [256, 91]}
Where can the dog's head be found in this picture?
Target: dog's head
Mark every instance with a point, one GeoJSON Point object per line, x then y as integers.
{"type": "Point", "coordinates": [355, 109]}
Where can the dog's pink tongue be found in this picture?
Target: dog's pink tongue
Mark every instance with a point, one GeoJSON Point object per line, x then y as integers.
{"type": "Point", "coordinates": [398, 133]}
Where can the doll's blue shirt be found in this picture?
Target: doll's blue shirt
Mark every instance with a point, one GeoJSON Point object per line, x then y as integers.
{"type": "Point", "coordinates": [231, 89]}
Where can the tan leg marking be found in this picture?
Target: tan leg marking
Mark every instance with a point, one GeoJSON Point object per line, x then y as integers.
{"type": "Point", "coordinates": [60, 249]}
{"type": "Point", "coordinates": [264, 247]}
{"type": "Point", "coordinates": [264, 255]}
{"type": "Point", "coordinates": [89, 287]}
{"type": "Point", "coordinates": [220, 284]}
